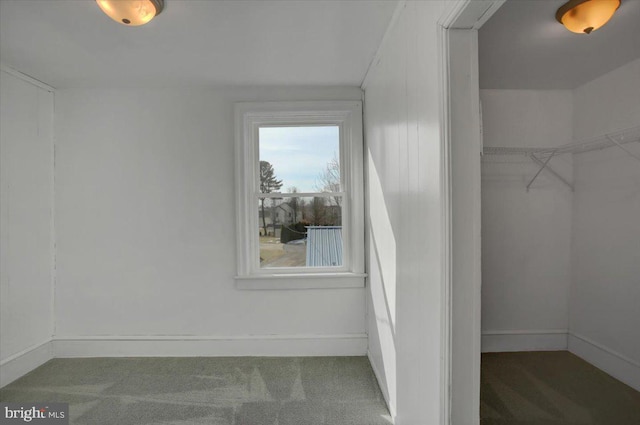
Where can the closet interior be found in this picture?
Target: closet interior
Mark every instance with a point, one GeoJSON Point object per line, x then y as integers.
{"type": "Point", "coordinates": [560, 232]}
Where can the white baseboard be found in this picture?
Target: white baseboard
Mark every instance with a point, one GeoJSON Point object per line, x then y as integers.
{"type": "Point", "coordinates": [24, 362]}
{"type": "Point", "coordinates": [211, 346]}
{"type": "Point", "coordinates": [383, 388]}
{"type": "Point", "coordinates": [611, 362]}
{"type": "Point", "coordinates": [524, 340]}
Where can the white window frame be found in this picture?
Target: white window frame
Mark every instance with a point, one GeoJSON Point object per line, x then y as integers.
{"type": "Point", "coordinates": [249, 117]}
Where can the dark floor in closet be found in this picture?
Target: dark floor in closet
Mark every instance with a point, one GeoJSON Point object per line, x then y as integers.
{"type": "Point", "coordinates": [552, 388]}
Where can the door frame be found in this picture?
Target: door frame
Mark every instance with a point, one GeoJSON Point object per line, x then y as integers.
{"type": "Point", "coordinates": [461, 211]}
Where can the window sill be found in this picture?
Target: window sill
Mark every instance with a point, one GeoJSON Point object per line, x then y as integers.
{"type": "Point", "coordinates": [301, 281]}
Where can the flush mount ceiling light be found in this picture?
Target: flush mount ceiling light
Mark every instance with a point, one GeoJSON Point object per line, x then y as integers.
{"type": "Point", "coordinates": [584, 16]}
{"type": "Point", "coordinates": [131, 12]}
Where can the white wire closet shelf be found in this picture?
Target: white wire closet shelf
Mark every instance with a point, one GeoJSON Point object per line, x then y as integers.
{"type": "Point", "coordinates": [542, 156]}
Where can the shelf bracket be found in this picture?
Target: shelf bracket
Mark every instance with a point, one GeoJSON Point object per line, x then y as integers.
{"type": "Point", "coordinates": [544, 165]}
{"type": "Point", "coordinates": [618, 144]}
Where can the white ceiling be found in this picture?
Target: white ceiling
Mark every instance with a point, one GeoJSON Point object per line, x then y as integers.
{"type": "Point", "coordinates": [71, 43]}
{"type": "Point", "coordinates": [522, 46]}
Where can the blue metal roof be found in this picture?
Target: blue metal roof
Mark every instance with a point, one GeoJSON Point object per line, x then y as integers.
{"type": "Point", "coordinates": [324, 246]}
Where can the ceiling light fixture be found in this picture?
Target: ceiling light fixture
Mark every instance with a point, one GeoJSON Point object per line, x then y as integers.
{"type": "Point", "coordinates": [131, 12]}
{"type": "Point", "coordinates": [584, 16]}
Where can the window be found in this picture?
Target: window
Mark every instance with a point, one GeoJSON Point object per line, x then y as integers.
{"type": "Point", "coordinates": [299, 190]}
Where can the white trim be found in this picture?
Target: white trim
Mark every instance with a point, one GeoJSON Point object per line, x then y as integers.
{"type": "Point", "coordinates": [446, 283]}
{"type": "Point", "coordinates": [301, 194]}
{"type": "Point", "coordinates": [52, 231]}
{"type": "Point", "coordinates": [465, 201]}
{"type": "Point", "coordinates": [302, 281]}
{"type": "Point", "coordinates": [488, 13]}
{"type": "Point", "coordinates": [27, 78]}
{"type": "Point", "coordinates": [451, 13]}
{"type": "Point", "coordinates": [454, 13]}
{"type": "Point", "coordinates": [211, 346]}
{"type": "Point", "coordinates": [615, 364]}
{"type": "Point", "coordinates": [524, 340]}
{"type": "Point", "coordinates": [305, 276]}
{"type": "Point", "coordinates": [470, 14]}
{"type": "Point", "coordinates": [454, 10]}
{"type": "Point", "coordinates": [249, 116]}
{"type": "Point", "coordinates": [383, 388]}
{"type": "Point", "coordinates": [21, 363]}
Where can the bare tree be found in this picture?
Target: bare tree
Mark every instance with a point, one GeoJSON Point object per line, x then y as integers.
{"type": "Point", "coordinates": [329, 179]}
{"type": "Point", "coordinates": [294, 203]}
{"type": "Point", "coordinates": [268, 183]}
{"type": "Point", "coordinates": [317, 210]}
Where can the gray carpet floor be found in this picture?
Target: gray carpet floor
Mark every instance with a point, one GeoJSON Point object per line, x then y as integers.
{"type": "Point", "coordinates": [213, 391]}
{"type": "Point", "coordinates": [552, 388]}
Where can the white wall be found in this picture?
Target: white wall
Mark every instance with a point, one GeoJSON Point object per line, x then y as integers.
{"type": "Point", "coordinates": [526, 236]}
{"type": "Point", "coordinates": [404, 212]}
{"type": "Point", "coordinates": [26, 324]}
{"type": "Point", "coordinates": [146, 223]}
{"type": "Point", "coordinates": [605, 293]}
{"type": "Point", "coordinates": [609, 103]}
{"type": "Point", "coordinates": [465, 227]}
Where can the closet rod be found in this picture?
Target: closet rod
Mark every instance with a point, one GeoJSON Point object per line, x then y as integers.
{"type": "Point", "coordinates": [629, 135]}
{"type": "Point", "coordinates": [542, 156]}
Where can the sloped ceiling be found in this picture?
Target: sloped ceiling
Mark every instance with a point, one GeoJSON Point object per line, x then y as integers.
{"type": "Point", "coordinates": [522, 46]}
{"type": "Point", "coordinates": [71, 43]}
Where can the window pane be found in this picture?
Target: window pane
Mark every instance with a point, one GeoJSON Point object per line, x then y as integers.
{"type": "Point", "coordinates": [299, 159]}
{"type": "Point", "coordinates": [300, 232]}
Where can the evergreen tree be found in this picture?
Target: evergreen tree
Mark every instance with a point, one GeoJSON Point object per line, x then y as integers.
{"type": "Point", "coordinates": [268, 183]}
